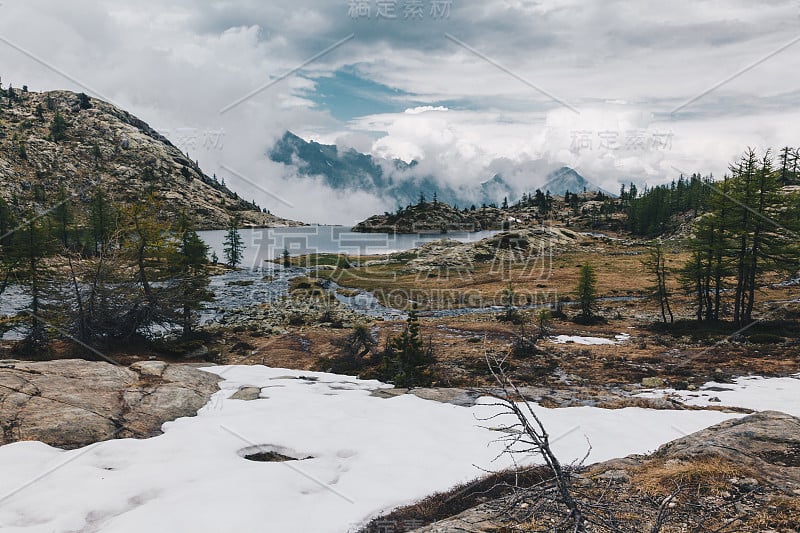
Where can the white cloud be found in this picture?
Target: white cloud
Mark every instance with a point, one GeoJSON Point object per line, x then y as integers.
{"type": "Point", "coordinates": [424, 109]}
{"type": "Point", "coordinates": [622, 64]}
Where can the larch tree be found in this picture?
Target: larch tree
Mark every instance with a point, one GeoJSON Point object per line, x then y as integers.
{"type": "Point", "coordinates": [656, 263]}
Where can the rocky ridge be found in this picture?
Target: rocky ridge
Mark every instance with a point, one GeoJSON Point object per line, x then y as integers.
{"type": "Point", "coordinates": [433, 217]}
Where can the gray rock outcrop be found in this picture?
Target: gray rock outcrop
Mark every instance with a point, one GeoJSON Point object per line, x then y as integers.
{"type": "Point", "coordinates": [73, 403]}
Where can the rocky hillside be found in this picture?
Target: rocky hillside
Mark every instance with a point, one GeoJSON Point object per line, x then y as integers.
{"type": "Point", "coordinates": [433, 217]}
{"type": "Point", "coordinates": [505, 247]}
{"type": "Point", "coordinates": [61, 138]}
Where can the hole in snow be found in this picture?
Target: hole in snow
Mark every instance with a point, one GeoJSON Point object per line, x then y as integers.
{"type": "Point", "coordinates": [266, 453]}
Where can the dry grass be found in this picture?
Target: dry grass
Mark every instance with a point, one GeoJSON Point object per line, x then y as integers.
{"type": "Point", "coordinates": [780, 512]}
{"type": "Point", "coordinates": [619, 267]}
{"type": "Point", "coordinates": [619, 273]}
{"type": "Point", "coordinates": [701, 475]}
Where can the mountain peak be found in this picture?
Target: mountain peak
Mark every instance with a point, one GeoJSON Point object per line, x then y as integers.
{"type": "Point", "coordinates": [568, 179]}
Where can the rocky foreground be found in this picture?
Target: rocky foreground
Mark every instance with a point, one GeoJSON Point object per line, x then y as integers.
{"type": "Point", "coordinates": [740, 475]}
{"type": "Point", "coordinates": [73, 403]}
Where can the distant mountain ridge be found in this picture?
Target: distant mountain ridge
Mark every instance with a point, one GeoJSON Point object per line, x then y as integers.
{"type": "Point", "coordinates": [389, 178]}
{"type": "Point", "coordinates": [352, 170]}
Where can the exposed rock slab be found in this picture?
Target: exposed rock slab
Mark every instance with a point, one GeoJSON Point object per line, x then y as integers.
{"type": "Point", "coordinates": [73, 403]}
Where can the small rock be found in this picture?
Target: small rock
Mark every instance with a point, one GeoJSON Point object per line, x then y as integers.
{"type": "Point", "coordinates": [149, 368]}
{"type": "Point", "coordinates": [202, 351]}
{"type": "Point", "coordinates": [615, 475]}
{"type": "Point", "coordinates": [747, 484]}
{"type": "Point", "coordinates": [653, 383]}
{"type": "Point", "coordinates": [247, 394]}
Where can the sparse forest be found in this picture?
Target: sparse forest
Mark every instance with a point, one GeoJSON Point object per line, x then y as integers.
{"type": "Point", "coordinates": [121, 272]}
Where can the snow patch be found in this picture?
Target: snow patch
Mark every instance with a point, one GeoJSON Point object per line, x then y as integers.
{"type": "Point", "coordinates": [750, 392]}
{"type": "Point", "coordinates": [589, 341]}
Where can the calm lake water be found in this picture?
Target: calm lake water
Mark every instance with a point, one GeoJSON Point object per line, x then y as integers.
{"type": "Point", "coordinates": [261, 281]}
{"type": "Point", "coordinates": [266, 244]}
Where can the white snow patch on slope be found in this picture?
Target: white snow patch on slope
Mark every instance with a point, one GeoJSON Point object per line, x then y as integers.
{"type": "Point", "coordinates": [752, 392]}
{"type": "Point", "coordinates": [590, 341]}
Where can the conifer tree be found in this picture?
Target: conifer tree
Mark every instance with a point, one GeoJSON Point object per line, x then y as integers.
{"type": "Point", "coordinates": [62, 217]}
{"type": "Point", "coordinates": [189, 272]}
{"type": "Point", "coordinates": [410, 360]}
{"type": "Point", "coordinates": [656, 263]}
{"type": "Point", "coordinates": [148, 245]}
{"type": "Point", "coordinates": [586, 292]}
{"type": "Point", "coordinates": [31, 245]}
{"type": "Point", "coordinates": [103, 221]}
{"type": "Point", "coordinates": [7, 224]}
{"type": "Point", "coordinates": [58, 127]}
{"type": "Point", "coordinates": [234, 245]}
{"type": "Point", "coordinates": [745, 234]}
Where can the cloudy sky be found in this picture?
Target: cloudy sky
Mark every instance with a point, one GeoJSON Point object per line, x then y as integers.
{"type": "Point", "coordinates": [620, 90]}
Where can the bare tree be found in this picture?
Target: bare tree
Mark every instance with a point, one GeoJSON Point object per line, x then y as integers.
{"type": "Point", "coordinates": [527, 435]}
{"type": "Point", "coordinates": [656, 263]}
